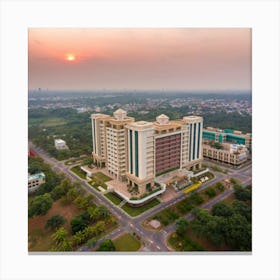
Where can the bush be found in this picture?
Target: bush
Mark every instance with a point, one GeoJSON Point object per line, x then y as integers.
{"type": "Point", "coordinates": [219, 187]}
{"type": "Point", "coordinates": [107, 245]}
{"type": "Point", "coordinates": [210, 192]}
{"type": "Point", "coordinates": [55, 222]}
{"type": "Point", "coordinates": [196, 199]}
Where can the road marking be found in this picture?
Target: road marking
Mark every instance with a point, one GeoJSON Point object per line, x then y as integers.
{"type": "Point", "coordinates": [158, 247]}
{"type": "Point", "coordinates": [151, 241]}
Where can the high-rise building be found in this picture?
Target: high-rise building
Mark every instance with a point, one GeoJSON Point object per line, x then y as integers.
{"type": "Point", "coordinates": [138, 152]}
{"type": "Point", "coordinates": [109, 147]}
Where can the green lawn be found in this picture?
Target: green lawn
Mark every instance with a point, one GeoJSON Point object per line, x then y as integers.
{"type": "Point", "coordinates": [113, 197]}
{"type": "Point", "coordinates": [135, 211]}
{"type": "Point", "coordinates": [102, 177]}
{"type": "Point", "coordinates": [127, 243]}
{"type": "Point", "coordinates": [78, 171]}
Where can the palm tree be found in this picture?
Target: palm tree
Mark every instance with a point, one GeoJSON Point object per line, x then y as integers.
{"type": "Point", "coordinates": [60, 235]}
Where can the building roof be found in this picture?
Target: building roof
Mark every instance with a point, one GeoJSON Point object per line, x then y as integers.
{"type": "Point", "coordinates": [59, 141]}
{"type": "Point", "coordinates": [120, 111]}
{"type": "Point", "coordinates": [39, 175]}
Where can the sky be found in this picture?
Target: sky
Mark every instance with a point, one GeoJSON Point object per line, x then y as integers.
{"type": "Point", "coordinates": [186, 59]}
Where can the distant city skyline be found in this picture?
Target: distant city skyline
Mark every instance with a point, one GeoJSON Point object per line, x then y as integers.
{"type": "Point", "coordinates": [187, 59]}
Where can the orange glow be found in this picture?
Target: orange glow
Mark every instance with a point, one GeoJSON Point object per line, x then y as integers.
{"type": "Point", "coordinates": [70, 57]}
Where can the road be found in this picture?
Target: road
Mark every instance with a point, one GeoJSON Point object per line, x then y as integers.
{"type": "Point", "coordinates": [154, 241]}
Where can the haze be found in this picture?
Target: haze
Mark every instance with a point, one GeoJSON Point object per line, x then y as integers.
{"type": "Point", "coordinates": [140, 59]}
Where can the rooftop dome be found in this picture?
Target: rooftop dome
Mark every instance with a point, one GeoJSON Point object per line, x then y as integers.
{"type": "Point", "coordinates": [163, 119]}
{"type": "Point", "coordinates": [120, 114]}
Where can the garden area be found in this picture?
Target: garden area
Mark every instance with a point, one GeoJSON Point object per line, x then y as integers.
{"type": "Point", "coordinates": [113, 197]}
{"type": "Point", "coordinates": [78, 171]}
{"type": "Point", "coordinates": [135, 211]}
{"type": "Point", "coordinates": [98, 180]}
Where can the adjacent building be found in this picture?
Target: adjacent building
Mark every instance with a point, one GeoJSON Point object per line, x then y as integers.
{"type": "Point", "coordinates": [60, 144]}
{"type": "Point", "coordinates": [138, 152]}
{"type": "Point", "coordinates": [35, 180]}
{"type": "Point", "coordinates": [228, 135]}
{"type": "Point", "coordinates": [233, 154]}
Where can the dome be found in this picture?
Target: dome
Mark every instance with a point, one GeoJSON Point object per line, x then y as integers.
{"type": "Point", "coordinates": [120, 114]}
{"type": "Point", "coordinates": [163, 119]}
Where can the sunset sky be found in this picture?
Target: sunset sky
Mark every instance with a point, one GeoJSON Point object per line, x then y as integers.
{"type": "Point", "coordinates": [141, 59]}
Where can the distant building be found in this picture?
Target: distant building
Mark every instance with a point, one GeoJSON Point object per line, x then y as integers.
{"type": "Point", "coordinates": [234, 154]}
{"type": "Point", "coordinates": [228, 135]}
{"type": "Point", "coordinates": [137, 152]}
{"type": "Point", "coordinates": [35, 180]}
{"type": "Point", "coordinates": [60, 144]}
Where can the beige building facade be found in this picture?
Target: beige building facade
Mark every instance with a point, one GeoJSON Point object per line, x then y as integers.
{"type": "Point", "coordinates": [229, 153]}
{"type": "Point", "coordinates": [138, 152]}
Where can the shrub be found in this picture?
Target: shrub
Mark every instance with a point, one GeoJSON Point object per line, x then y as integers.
{"type": "Point", "coordinates": [210, 192]}
{"type": "Point", "coordinates": [55, 222]}
{"type": "Point", "coordinates": [219, 187]}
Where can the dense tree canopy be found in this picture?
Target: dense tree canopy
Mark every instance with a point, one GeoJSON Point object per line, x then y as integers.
{"type": "Point", "coordinates": [40, 205]}
{"type": "Point", "coordinates": [230, 225]}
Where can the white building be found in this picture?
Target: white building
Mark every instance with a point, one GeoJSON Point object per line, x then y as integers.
{"type": "Point", "coordinates": [35, 180]}
{"type": "Point", "coordinates": [60, 144]}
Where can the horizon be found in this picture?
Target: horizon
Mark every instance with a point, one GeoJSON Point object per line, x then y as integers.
{"type": "Point", "coordinates": [139, 59]}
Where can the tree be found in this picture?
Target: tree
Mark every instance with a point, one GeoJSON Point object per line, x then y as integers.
{"type": "Point", "coordinates": [55, 222]}
{"type": "Point", "coordinates": [60, 241]}
{"type": "Point", "coordinates": [40, 205]}
{"type": "Point", "coordinates": [100, 212]}
{"type": "Point", "coordinates": [210, 192]}
{"type": "Point", "coordinates": [107, 245]}
{"type": "Point", "coordinates": [181, 226]}
{"type": "Point", "coordinates": [241, 207]}
{"type": "Point", "coordinates": [60, 235]}
{"type": "Point", "coordinates": [79, 223]}
{"type": "Point", "coordinates": [238, 233]}
{"type": "Point", "coordinates": [221, 209]}
{"type": "Point", "coordinates": [219, 186]}
{"type": "Point", "coordinates": [83, 202]}
{"type": "Point", "coordinates": [243, 193]}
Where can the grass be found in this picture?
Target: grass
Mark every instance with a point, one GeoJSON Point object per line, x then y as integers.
{"type": "Point", "coordinates": [135, 211]}
{"type": "Point", "coordinates": [127, 243]}
{"type": "Point", "coordinates": [78, 171]}
{"type": "Point", "coordinates": [102, 177]}
{"type": "Point", "coordinates": [113, 197]}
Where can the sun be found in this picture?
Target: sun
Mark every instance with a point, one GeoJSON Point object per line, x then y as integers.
{"type": "Point", "coordinates": [70, 57]}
